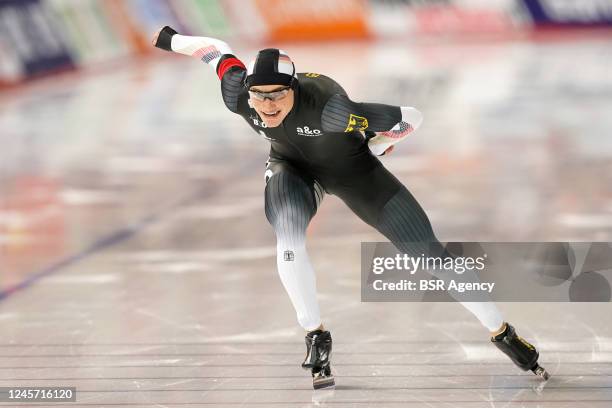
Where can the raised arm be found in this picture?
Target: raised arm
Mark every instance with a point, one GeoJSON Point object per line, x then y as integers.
{"type": "Point", "coordinates": [390, 123]}
{"type": "Point", "coordinates": [215, 53]}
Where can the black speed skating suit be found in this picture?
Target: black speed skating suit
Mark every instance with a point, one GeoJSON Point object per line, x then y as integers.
{"type": "Point", "coordinates": [320, 146]}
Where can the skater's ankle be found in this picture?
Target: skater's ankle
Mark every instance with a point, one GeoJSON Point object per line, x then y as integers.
{"type": "Point", "coordinates": [500, 330]}
{"type": "Point", "coordinates": [320, 328]}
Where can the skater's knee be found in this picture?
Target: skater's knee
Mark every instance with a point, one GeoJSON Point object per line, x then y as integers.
{"type": "Point", "coordinates": [289, 217]}
{"type": "Point", "coordinates": [289, 202]}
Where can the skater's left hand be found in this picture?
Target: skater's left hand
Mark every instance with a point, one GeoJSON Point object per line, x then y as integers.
{"type": "Point", "coordinates": [388, 151]}
{"type": "Point", "coordinates": [368, 135]}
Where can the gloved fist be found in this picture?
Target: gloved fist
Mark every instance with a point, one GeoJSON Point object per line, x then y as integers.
{"type": "Point", "coordinates": [163, 38]}
{"type": "Point", "coordinates": [383, 142]}
{"type": "Point", "coordinates": [368, 135]}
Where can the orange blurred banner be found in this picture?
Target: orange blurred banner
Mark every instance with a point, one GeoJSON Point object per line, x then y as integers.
{"type": "Point", "coordinates": [314, 20]}
{"type": "Point", "coordinates": [123, 22]}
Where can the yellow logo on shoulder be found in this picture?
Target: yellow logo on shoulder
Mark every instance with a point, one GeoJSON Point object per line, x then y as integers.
{"type": "Point", "coordinates": [356, 123]}
{"type": "Point", "coordinates": [312, 75]}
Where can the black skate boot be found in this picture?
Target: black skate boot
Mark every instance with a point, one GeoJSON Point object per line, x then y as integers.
{"type": "Point", "coordinates": [523, 354]}
{"type": "Point", "coordinates": [318, 355]}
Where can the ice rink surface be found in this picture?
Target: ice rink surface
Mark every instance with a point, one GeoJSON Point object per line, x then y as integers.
{"type": "Point", "coordinates": [137, 264]}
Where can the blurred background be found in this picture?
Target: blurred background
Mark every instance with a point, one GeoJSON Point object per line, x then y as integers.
{"type": "Point", "coordinates": [131, 200]}
{"type": "Point", "coordinates": [97, 126]}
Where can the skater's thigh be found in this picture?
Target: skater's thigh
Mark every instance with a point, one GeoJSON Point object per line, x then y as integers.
{"type": "Point", "coordinates": [382, 201]}
{"type": "Point", "coordinates": [290, 194]}
{"type": "Point", "coordinates": [367, 194]}
{"type": "Point", "coordinates": [403, 218]}
{"type": "Point", "coordinates": [404, 222]}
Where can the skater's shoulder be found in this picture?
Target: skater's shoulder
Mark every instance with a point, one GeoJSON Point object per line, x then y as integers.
{"type": "Point", "coordinates": [318, 87]}
{"type": "Point", "coordinates": [234, 91]}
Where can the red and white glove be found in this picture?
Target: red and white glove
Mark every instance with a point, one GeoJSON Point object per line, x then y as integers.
{"type": "Point", "coordinates": [411, 120]}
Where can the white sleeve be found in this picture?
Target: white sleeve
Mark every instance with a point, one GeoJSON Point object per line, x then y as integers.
{"type": "Point", "coordinates": [206, 49]}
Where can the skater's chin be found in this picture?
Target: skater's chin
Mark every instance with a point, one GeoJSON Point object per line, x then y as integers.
{"type": "Point", "coordinates": [273, 124]}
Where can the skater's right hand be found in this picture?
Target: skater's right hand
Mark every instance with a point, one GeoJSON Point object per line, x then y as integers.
{"type": "Point", "coordinates": [155, 37]}
{"type": "Point", "coordinates": [163, 38]}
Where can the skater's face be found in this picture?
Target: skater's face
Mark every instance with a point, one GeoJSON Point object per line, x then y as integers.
{"type": "Point", "coordinates": [272, 102]}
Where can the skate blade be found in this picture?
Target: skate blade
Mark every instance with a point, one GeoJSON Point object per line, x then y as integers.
{"type": "Point", "coordinates": [541, 372]}
{"type": "Point", "coordinates": [319, 383]}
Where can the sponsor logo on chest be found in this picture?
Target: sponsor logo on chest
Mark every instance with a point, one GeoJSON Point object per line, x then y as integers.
{"type": "Point", "coordinates": [307, 131]}
{"type": "Point", "coordinates": [257, 122]}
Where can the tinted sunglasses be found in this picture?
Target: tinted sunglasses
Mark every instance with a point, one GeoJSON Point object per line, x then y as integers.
{"type": "Point", "coordinates": [273, 96]}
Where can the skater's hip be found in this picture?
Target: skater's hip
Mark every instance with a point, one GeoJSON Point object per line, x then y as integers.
{"type": "Point", "coordinates": [350, 172]}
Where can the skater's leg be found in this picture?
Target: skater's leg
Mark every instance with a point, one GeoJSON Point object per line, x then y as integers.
{"type": "Point", "coordinates": [291, 201]}
{"type": "Point", "coordinates": [399, 217]}
{"type": "Point", "coordinates": [403, 222]}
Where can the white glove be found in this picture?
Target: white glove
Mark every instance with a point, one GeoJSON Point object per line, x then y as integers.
{"type": "Point", "coordinates": [411, 120]}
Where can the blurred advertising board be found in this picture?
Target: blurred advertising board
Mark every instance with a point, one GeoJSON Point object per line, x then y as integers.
{"type": "Point", "coordinates": [564, 13]}
{"type": "Point", "coordinates": [30, 42]}
{"type": "Point", "coordinates": [87, 27]}
{"type": "Point", "coordinates": [44, 36]}
{"type": "Point", "coordinates": [441, 17]}
{"type": "Point", "coordinates": [314, 19]}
